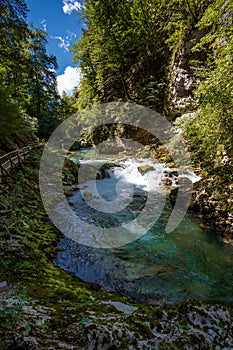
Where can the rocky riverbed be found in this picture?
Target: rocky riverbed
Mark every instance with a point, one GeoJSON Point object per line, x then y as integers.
{"type": "Point", "coordinates": [45, 307]}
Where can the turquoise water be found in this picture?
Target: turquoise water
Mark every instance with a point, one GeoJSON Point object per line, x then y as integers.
{"type": "Point", "coordinates": [190, 262]}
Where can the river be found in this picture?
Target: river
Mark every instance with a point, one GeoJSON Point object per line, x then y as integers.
{"type": "Point", "coordinates": [189, 262]}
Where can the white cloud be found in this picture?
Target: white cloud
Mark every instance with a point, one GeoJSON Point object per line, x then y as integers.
{"type": "Point", "coordinates": [71, 5]}
{"type": "Point", "coordinates": [69, 80]}
{"type": "Point", "coordinates": [44, 24]}
{"type": "Point", "coordinates": [66, 41]}
{"type": "Point", "coordinates": [63, 43]}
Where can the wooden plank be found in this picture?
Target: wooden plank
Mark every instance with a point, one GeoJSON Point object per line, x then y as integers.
{"type": "Point", "coordinates": [4, 169]}
{"type": "Point", "coordinates": [24, 154]}
{"type": "Point", "coordinates": [3, 287]}
{"type": "Point", "coordinates": [9, 161]}
{"type": "Point", "coordinates": [19, 158]}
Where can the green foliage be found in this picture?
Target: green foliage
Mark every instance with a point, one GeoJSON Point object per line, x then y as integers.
{"type": "Point", "coordinates": [11, 308]}
{"type": "Point", "coordinates": [28, 94]}
{"type": "Point", "coordinates": [210, 130]}
{"type": "Point", "coordinates": [67, 105]}
{"type": "Point", "coordinates": [127, 47]}
{"type": "Point", "coordinates": [123, 52]}
{"type": "Point", "coordinates": [43, 102]}
{"type": "Point", "coordinates": [13, 61]}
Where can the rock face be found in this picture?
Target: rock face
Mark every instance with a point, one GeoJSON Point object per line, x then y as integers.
{"type": "Point", "coordinates": [181, 101]}
{"type": "Point", "coordinates": [109, 325]}
{"type": "Point", "coordinates": [213, 212]}
{"type": "Point", "coordinates": [183, 78]}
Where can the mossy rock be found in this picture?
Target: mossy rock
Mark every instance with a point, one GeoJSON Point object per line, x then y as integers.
{"type": "Point", "coordinates": [70, 172]}
{"type": "Point", "coordinates": [73, 313]}
{"type": "Point", "coordinates": [145, 169]}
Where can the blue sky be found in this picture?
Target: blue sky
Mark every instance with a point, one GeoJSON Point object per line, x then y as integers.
{"type": "Point", "coordinates": [61, 21]}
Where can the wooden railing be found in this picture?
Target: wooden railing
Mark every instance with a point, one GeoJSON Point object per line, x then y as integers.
{"type": "Point", "coordinates": [10, 161]}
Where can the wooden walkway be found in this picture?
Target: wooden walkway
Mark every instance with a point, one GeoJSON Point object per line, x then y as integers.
{"type": "Point", "coordinates": [9, 162]}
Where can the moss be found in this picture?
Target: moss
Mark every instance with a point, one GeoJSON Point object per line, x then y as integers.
{"type": "Point", "coordinates": [28, 260]}
{"type": "Point", "coordinates": [145, 169]}
{"type": "Point", "coordinates": [74, 309]}
{"type": "Point", "coordinates": [70, 172]}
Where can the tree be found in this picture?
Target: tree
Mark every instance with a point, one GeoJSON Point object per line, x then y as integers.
{"type": "Point", "coordinates": [43, 96]}
{"type": "Point", "coordinates": [67, 105]}
{"type": "Point", "coordinates": [28, 91]}
{"type": "Point", "coordinates": [14, 62]}
{"type": "Point", "coordinates": [123, 52]}
{"type": "Point", "coordinates": [211, 128]}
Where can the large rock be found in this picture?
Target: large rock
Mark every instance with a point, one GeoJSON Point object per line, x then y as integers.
{"type": "Point", "coordinates": [183, 78]}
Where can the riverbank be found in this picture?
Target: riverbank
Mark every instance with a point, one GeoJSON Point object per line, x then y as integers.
{"type": "Point", "coordinates": [214, 203]}
{"type": "Point", "coordinates": [46, 307]}
{"type": "Point", "coordinates": [212, 197]}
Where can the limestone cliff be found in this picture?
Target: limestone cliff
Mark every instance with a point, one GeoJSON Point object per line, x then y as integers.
{"type": "Point", "coordinates": [182, 76]}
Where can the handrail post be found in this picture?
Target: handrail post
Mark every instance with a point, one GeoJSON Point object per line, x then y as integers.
{"type": "Point", "coordinates": [24, 154]}
{"type": "Point", "coordinates": [19, 159]}
{"type": "Point", "coordinates": [11, 162]}
{"type": "Point", "coordinates": [3, 170]}
{"type": "Point", "coordinates": [1, 167]}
